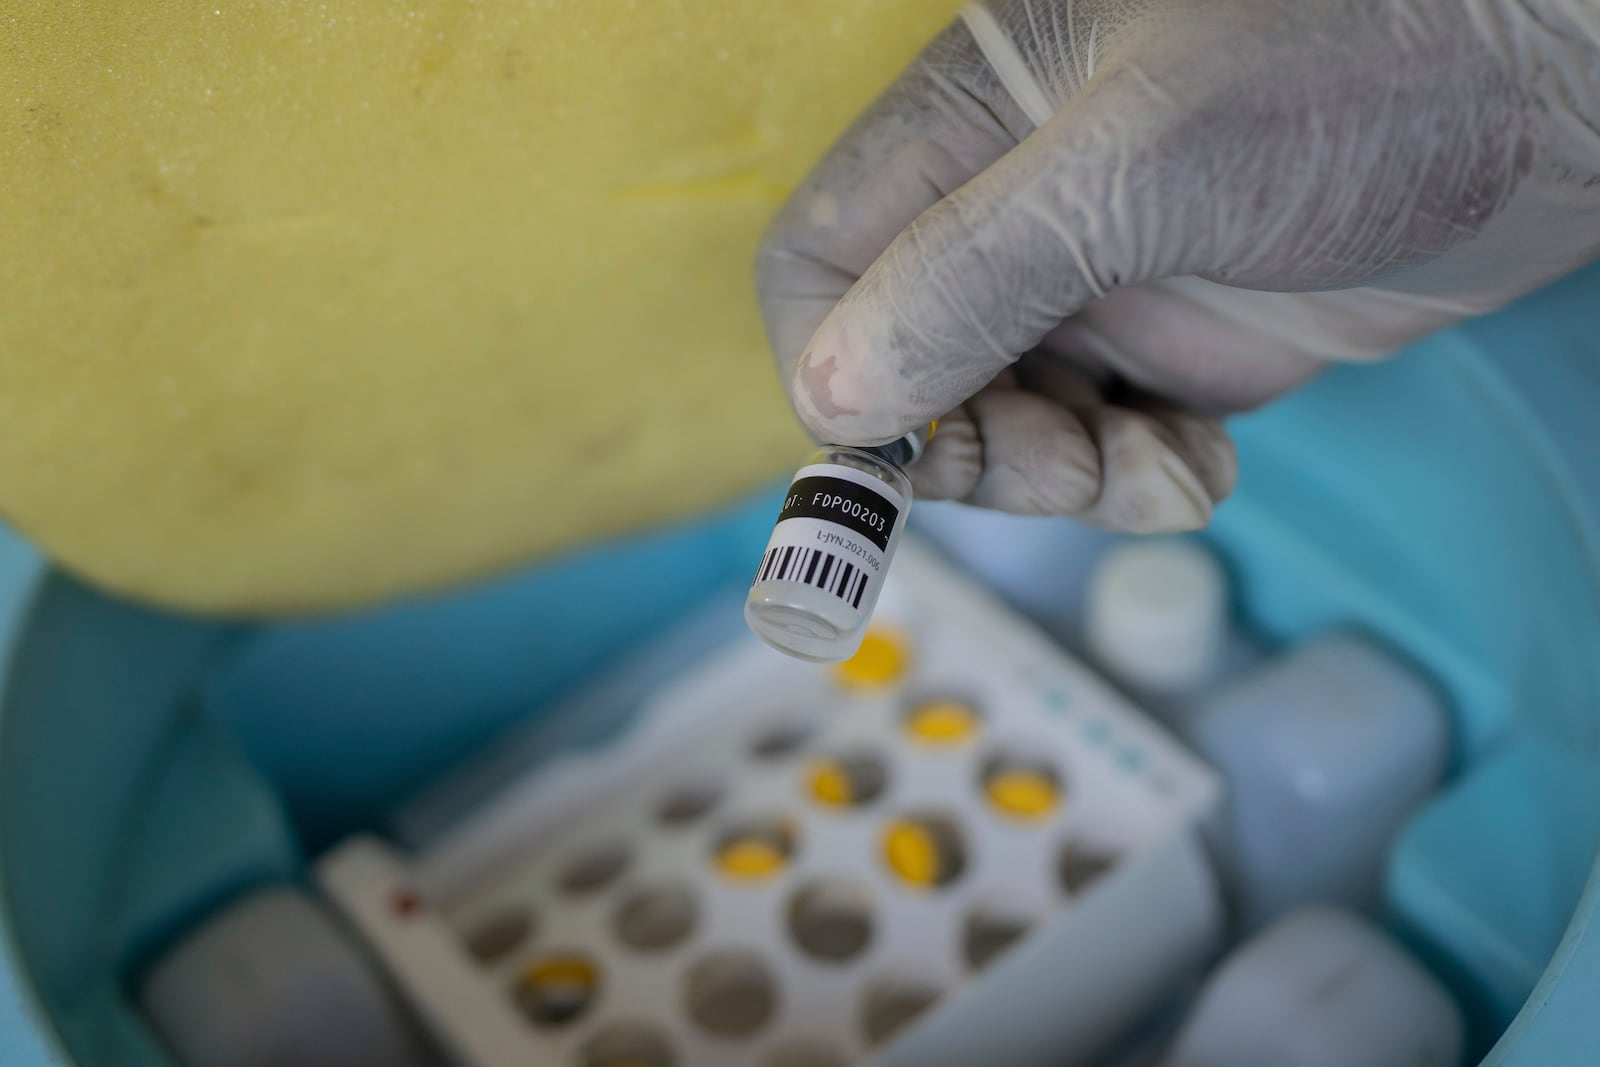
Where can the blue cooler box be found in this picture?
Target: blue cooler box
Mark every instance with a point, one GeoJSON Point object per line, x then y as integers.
{"type": "Point", "coordinates": [152, 767]}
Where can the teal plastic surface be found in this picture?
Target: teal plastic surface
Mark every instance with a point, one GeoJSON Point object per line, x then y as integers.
{"type": "Point", "coordinates": [123, 812]}
{"type": "Point", "coordinates": [1496, 867]}
{"type": "Point", "coordinates": [438, 678]}
{"type": "Point", "coordinates": [150, 767]}
{"type": "Point", "coordinates": [27, 1036]}
{"type": "Point", "coordinates": [1448, 501]}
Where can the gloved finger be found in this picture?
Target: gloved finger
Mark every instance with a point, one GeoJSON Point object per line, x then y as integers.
{"type": "Point", "coordinates": [952, 460]}
{"type": "Point", "coordinates": [1160, 469]}
{"type": "Point", "coordinates": [1149, 480]}
{"type": "Point", "coordinates": [987, 272]}
{"type": "Point", "coordinates": [944, 120]}
{"type": "Point", "coordinates": [1043, 440]}
{"type": "Point", "coordinates": [1117, 468]}
{"type": "Point", "coordinates": [1202, 444]}
{"type": "Point", "coordinates": [1038, 457]}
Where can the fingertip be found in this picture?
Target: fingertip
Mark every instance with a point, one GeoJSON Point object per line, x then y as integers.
{"type": "Point", "coordinates": [1149, 487]}
{"type": "Point", "coordinates": [952, 461]}
{"type": "Point", "coordinates": [811, 392]}
{"type": "Point", "coordinates": [1211, 449]}
{"type": "Point", "coordinates": [1187, 507]}
{"type": "Point", "coordinates": [1204, 444]}
{"type": "Point", "coordinates": [840, 391]}
{"type": "Point", "coordinates": [1038, 458]}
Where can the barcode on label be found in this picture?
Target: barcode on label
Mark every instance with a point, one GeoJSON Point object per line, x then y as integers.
{"type": "Point", "coordinates": [812, 566]}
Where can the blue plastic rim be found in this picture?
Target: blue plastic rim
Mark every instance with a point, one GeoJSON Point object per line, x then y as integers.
{"type": "Point", "coordinates": [151, 767]}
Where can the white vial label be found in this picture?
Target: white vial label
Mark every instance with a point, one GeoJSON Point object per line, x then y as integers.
{"type": "Point", "coordinates": [834, 533]}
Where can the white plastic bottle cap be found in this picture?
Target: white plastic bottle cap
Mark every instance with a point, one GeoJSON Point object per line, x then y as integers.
{"type": "Point", "coordinates": [1157, 613]}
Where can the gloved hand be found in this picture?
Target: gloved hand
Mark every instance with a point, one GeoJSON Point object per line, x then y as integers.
{"type": "Point", "coordinates": [1079, 230]}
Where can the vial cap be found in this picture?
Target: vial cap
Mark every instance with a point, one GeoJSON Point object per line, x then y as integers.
{"type": "Point", "coordinates": [1158, 613]}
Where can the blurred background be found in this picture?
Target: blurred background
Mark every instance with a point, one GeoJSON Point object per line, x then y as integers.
{"type": "Point", "coordinates": [390, 440]}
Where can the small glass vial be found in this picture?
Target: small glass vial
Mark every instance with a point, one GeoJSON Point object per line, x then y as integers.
{"type": "Point", "coordinates": [824, 567]}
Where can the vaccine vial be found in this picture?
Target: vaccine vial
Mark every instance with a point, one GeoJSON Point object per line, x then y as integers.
{"type": "Point", "coordinates": [824, 567]}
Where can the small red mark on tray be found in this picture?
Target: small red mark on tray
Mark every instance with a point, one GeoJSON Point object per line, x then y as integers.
{"type": "Point", "coordinates": [405, 902]}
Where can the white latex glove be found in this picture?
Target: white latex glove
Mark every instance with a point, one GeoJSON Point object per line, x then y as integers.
{"type": "Point", "coordinates": [1078, 230]}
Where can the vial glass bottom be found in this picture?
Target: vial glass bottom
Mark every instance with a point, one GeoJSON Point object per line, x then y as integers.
{"type": "Point", "coordinates": [805, 622]}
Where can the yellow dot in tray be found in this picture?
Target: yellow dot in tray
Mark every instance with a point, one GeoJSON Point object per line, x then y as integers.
{"type": "Point", "coordinates": [912, 853]}
{"type": "Point", "coordinates": [557, 989]}
{"type": "Point", "coordinates": [942, 722]}
{"type": "Point", "coordinates": [831, 785]}
{"type": "Point", "coordinates": [882, 659]}
{"type": "Point", "coordinates": [1023, 792]}
{"type": "Point", "coordinates": [567, 971]}
{"type": "Point", "coordinates": [750, 859]}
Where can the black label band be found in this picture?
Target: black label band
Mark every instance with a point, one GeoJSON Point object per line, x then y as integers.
{"type": "Point", "coordinates": [843, 503]}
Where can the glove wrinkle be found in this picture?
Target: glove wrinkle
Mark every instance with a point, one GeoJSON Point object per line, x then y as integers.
{"type": "Point", "coordinates": [1207, 201]}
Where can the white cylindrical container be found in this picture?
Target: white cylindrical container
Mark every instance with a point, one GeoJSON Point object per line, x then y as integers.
{"type": "Point", "coordinates": [273, 979]}
{"type": "Point", "coordinates": [1327, 750]}
{"type": "Point", "coordinates": [1157, 615]}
